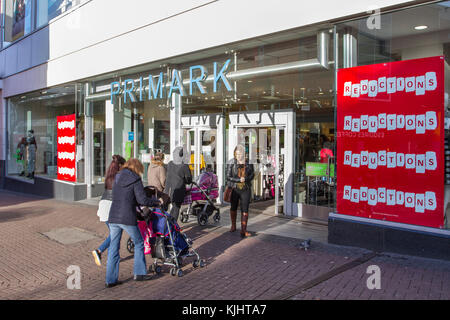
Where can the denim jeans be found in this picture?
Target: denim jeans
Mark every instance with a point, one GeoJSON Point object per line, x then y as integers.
{"type": "Point", "coordinates": [105, 244]}
{"type": "Point", "coordinates": [112, 265]}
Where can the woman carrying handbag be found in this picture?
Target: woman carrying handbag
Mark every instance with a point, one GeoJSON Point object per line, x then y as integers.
{"type": "Point", "coordinates": [240, 174]}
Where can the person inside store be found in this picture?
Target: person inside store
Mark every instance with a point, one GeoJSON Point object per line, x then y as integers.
{"type": "Point", "coordinates": [128, 193]}
{"type": "Point", "coordinates": [240, 174]}
{"type": "Point", "coordinates": [178, 175]}
{"type": "Point", "coordinates": [309, 154]}
{"type": "Point", "coordinates": [105, 203]}
{"type": "Point", "coordinates": [32, 148]}
{"type": "Point", "coordinates": [20, 155]}
{"type": "Point", "coordinates": [327, 149]}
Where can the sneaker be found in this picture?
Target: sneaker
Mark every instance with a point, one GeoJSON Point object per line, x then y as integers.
{"type": "Point", "coordinates": [97, 257]}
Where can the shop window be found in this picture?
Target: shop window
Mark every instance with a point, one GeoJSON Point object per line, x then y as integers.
{"type": "Point", "coordinates": [17, 19]}
{"type": "Point", "coordinates": [49, 9]}
{"type": "Point", "coordinates": [153, 132]}
{"type": "Point", "coordinates": [33, 121]}
{"type": "Point", "coordinates": [99, 141]}
{"type": "Point", "coordinates": [419, 32]}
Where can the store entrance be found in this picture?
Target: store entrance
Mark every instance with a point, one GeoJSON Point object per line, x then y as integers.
{"type": "Point", "coordinates": [203, 138]}
{"type": "Point", "coordinates": [265, 148]}
{"type": "Point", "coordinates": [269, 147]}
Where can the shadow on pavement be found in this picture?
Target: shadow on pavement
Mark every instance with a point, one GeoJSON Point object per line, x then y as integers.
{"type": "Point", "coordinates": [22, 213]}
{"type": "Point", "coordinates": [10, 198]}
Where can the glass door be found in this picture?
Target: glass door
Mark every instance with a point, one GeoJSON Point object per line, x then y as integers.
{"type": "Point", "coordinates": [268, 139]}
{"type": "Point", "coordinates": [200, 143]}
{"type": "Point", "coordinates": [264, 147]}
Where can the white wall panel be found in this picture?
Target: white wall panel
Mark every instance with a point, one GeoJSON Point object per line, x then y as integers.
{"type": "Point", "coordinates": [39, 48]}
{"type": "Point", "coordinates": [24, 54]}
{"type": "Point", "coordinates": [99, 20]}
{"type": "Point", "coordinates": [10, 60]}
{"type": "Point", "coordinates": [107, 35]}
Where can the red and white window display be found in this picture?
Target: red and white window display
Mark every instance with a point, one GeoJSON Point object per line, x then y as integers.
{"type": "Point", "coordinates": [390, 141]}
{"type": "Point", "coordinates": [66, 148]}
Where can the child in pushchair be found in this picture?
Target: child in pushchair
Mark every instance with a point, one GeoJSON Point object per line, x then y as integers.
{"type": "Point", "coordinates": [164, 240]}
{"type": "Point", "coordinates": [199, 197]}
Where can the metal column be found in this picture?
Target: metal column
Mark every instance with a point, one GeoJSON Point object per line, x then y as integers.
{"type": "Point", "coordinates": [88, 142]}
{"type": "Point", "coordinates": [350, 46]}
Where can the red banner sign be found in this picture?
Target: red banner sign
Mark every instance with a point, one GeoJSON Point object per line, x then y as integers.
{"type": "Point", "coordinates": [390, 141]}
{"type": "Point", "coordinates": [66, 134]}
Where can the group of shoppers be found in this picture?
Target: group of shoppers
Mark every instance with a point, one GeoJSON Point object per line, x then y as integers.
{"type": "Point", "coordinates": [124, 191]}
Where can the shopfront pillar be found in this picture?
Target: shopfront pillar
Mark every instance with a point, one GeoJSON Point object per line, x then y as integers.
{"type": "Point", "coordinates": [109, 127]}
{"type": "Point", "coordinates": [89, 142]}
{"type": "Point", "coordinates": [175, 122]}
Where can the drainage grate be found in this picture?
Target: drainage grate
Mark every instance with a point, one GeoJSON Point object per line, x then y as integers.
{"type": "Point", "coordinates": [70, 235]}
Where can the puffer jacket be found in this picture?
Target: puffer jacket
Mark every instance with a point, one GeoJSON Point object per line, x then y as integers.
{"type": "Point", "coordinates": [128, 192]}
{"type": "Point", "coordinates": [232, 173]}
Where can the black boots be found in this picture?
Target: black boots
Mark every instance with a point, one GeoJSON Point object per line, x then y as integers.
{"type": "Point", "coordinates": [233, 215]}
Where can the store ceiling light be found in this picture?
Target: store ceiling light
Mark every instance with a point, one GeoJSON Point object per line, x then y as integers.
{"type": "Point", "coordinates": [421, 27]}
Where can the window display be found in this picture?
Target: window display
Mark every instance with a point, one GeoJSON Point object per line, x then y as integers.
{"type": "Point", "coordinates": [33, 128]}
{"type": "Point", "coordinates": [18, 19]}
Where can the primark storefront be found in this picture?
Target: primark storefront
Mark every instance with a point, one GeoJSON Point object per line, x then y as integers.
{"type": "Point", "coordinates": [278, 95]}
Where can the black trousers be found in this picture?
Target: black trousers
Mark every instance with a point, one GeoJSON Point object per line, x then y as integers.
{"type": "Point", "coordinates": [175, 211]}
{"type": "Point", "coordinates": [242, 197]}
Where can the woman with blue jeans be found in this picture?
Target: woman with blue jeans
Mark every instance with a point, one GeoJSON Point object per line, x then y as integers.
{"type": "Point", "coordinates": [105, 203]}
{"type": "Point", "coordinates": [128, 192]}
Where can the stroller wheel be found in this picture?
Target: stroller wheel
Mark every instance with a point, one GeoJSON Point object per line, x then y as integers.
{"type": "Point", "coordinates": [130, 245]}
{"type": "Point", "coordinates": [195, 264]}
{"type": "Point", "coordinates": [202, 218]}
{"type": "Point", "coordinates": [158, 269]}
{"type": "Point", "coordinates": [217, 217]}
{"type": "Point", "coordinates": [173, 271]}
{"type": "Point", "coordinates": [202, 263]}
{"type": "Point", "coordinates": [179, 273]}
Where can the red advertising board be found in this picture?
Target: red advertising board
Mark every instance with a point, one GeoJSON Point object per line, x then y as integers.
{"type": "Point", "coordinates": [390, 141]}
{"type": "Point", "coordinates": [66, 147]}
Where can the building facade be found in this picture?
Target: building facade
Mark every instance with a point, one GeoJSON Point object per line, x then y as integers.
{"type": "Point", "coordinates": [208, 75]}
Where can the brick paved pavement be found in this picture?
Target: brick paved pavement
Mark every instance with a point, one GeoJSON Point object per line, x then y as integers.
{"type": "Point", "coordinates": [261, 267]}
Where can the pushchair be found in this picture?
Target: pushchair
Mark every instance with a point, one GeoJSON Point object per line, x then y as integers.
{"type": "Point", "coordinates": [163, 239]}
{"type": "Point", "coordinates": [199, 197]}
{"type": "Point", "coordinates": [166, 243]}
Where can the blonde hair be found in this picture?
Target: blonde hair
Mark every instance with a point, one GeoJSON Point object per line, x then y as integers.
{"type": "Point", "coordinates": [158, 159]}
{"type": "Point", "coordinates": [239, 147]}
{"type": "Point", "coordinates": [134, 165]}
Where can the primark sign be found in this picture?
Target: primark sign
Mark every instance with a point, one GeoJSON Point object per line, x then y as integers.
{"type": "Point", "coordinates": [159, 88]}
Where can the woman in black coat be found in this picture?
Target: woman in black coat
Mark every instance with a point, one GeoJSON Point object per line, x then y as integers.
{"type": "Point", "coordinates": [240, 174]}
{"type": "Point", "coordinates": [128, 192]}
{"type": "Point", "coordinates": [178, 175]}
